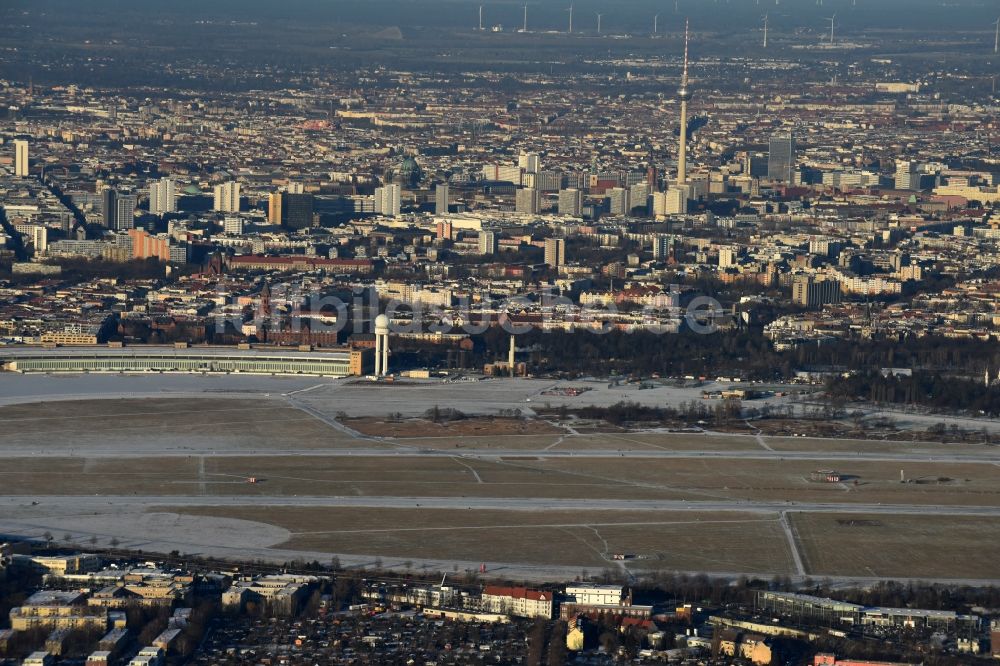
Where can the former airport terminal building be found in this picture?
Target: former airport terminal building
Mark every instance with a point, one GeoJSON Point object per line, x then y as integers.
{"type": "Point", "coordinates": [831, 612]}
{"type": "Point", "coordinates": [271, 361]}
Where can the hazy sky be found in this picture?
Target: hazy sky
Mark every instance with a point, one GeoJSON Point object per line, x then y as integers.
{"type": "Point", "coordinates": [619, 15]}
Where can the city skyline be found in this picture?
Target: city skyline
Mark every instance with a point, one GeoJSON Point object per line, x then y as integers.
{"type": "Point", "coordinates": [452, 331]}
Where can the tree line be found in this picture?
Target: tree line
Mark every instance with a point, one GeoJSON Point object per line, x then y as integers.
{"type": "Point", "coordinates": [929, 389]}
{"type": "Point", "coordinates": [946, 373]}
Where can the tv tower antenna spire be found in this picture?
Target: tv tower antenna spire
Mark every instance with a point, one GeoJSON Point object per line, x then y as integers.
{"type": "Point", "coordinates": [684, 94]}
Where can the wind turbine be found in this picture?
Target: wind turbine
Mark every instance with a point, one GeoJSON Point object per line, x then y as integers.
{"type": "Point", "coordinates": [656, 23]}
{"type": "Point", "coordinates": [570, 10]}
{"type": "Point", "coordinates": [480, 18]}
{"type": "Point", "coordinates": [996, 37]}
{"type": "Point", "coordinates": [599, 15]}
{"type": "Point", "coordinates": [832, 20]}
{"type": "Point", "coordinates": [765, 31]}
{"type": "Point", "coordinates": [524, 28]}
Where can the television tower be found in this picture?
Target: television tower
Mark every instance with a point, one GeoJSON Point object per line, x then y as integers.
{"type": "Point", "coordinates": [684, 95]}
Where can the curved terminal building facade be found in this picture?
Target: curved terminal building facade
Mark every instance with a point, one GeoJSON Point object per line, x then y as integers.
{"type": "Point", "coordinates": [341, 363]}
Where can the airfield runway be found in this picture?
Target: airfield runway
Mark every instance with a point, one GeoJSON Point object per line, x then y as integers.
{"type": "Point", "coordinates": [164, 462]}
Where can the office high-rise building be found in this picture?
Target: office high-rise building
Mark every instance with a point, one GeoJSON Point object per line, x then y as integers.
{"type": "Point", "coordinates": [274, 200]}
{"type": "Point", "coordinates": [233, 225]}
{"type": "Point", "coordinates": [443, 230]}
{"type": "Point", "coordinates": [677, 200]}
{"type": "Point", "coordinates": [441, 196]}
{"type": "Point", "coordinates": [388, 200]}
{"type": "Point", "coordinates": [618, 201]}
{"type": "Point", "coordinates": [663, 247]}
{"type": "Point", "coordinates": [529, 163]}
{"type": "Point", "coordinates": [755, 165]}
{"type": "Point", "coordinates": [555, 252]}
{"type": "Point", "coordinates": [109, 208]}
{"type": "Point", "coordinates": [728, 256]}
{"type": "Point", "coordinates": [638, 197]}
{"type": "Point", "coordinates": [815, 291]}
{"type": "Point", "coordinates": [125, 205]}
{"type": "Point", "coordinates": [21, 159]}
{"type": "Point", "coordinates": [505, 173]}
{"type": "Point", "coordinates": [40, 239]}
{"type": "Point", "coordinates": [548, 181]}
{"type": "Point", "coordinates": [161, 197]}
{"type": "Point", "coordinates": [526, 201]}
{"type": "Point", "coordinates": [147, 246]}
{"type": "Point", "coordinates": [781, 158]}
{"type": "Point", "coordinates": [571, 202]}
{"type": "Point", "coordinates": [297, 210]}
{"type": "Point", "coordinates": [907, 177]}
{"type": "Point", "coordinates": [634, 177]}
{"type": "Point", "coordinates": [487, 242]}
{"type": "Point", "coordinates": [227, 197]}
{"type": "Point", "coordinates": [36, 235]}
{"type": "Point", "coordinates": [658, 203]}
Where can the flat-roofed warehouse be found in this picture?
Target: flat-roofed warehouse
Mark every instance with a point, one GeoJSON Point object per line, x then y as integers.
{"type": "Point", "coordinates": [342, 363]}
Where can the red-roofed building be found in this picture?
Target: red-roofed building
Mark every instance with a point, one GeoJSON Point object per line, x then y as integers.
{"type": "Point", "coordinates": [517, 601]}
{"type": "Point", "coordinates": [641, 623]}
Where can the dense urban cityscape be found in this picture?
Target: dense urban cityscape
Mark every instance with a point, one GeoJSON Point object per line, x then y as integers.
{"type": "Point", "coordinates": [447, 332]}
